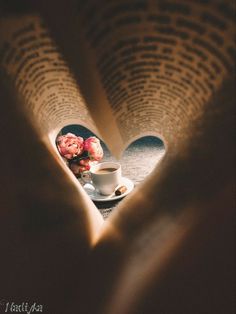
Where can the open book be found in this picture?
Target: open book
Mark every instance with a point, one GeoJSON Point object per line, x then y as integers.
{"type": "Point", "coordinates": [123, 69]}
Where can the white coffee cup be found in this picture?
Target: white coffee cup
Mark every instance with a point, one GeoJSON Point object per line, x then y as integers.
{"type": "Point", "coordinates": [105, 177]}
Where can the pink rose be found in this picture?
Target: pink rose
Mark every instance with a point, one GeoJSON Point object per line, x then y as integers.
{"type": "Point", "coordinates": [77, 167]}
{"type": "Point", "coordinates": [70, 145]}
{"type": "Point", "coordinates": [93, 147]}
{"type": "Point", "coordinates": [85, 163]}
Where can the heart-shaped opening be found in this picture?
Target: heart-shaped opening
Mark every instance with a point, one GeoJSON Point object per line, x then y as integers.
{"type": "Point", "coordinates": [137, 161]}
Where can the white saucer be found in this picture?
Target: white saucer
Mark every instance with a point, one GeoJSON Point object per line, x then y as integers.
{"type": "Point", "coordinates": [96, 196]}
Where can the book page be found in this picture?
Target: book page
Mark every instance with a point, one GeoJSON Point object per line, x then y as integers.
{"type": "Point", "coordinates": [33, 65]}
{"type": "Point", "coordinates": [47, 221]}
{"type": "Point", "coordinates": [152, 66]}
{"type": "Point", "coordinates": [163, 67]}
{"type": "Point", "coordinates": [143, 67]}
{"type": "Point", "coordinates": [174, 236]}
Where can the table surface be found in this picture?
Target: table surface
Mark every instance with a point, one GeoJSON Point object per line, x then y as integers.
{"type": "Point", "coordinates": [137, 161]}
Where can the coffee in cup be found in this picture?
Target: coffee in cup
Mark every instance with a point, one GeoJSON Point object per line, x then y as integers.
{"type": "Point", "coordinates": [105, 170]}
{"type": "Point", "coordinates": [105, 177]}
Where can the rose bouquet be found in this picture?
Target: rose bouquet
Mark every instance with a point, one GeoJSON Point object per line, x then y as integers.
{"type": "Point", "coordinates": [79, 153]}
